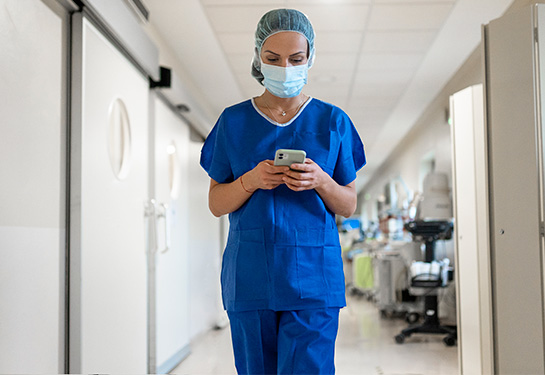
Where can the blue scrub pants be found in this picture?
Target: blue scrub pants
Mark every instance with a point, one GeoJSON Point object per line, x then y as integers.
{"type": "Point", "coordinates": [285, 342]}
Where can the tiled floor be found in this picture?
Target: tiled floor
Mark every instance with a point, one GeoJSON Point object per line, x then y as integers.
{"type": "Point", "coordinates": [365, 345]}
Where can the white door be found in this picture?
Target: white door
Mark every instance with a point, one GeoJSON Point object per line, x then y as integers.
{"type": "Point", "coordinates": [171, 192]}
{"type": "Point", "coordinates": [109, 173]}
{"type": "Point", "coordinates": [33, 75]}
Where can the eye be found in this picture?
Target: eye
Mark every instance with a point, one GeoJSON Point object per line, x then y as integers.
{"type": "Point", "coordinates": [272, 59]}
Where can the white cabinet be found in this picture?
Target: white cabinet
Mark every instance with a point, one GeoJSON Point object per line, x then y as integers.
{"type": "Point", "coordinates": [514, 56]}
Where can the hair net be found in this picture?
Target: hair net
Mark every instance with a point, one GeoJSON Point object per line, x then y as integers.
{"type": "Point", "coordinates": [276, 21]}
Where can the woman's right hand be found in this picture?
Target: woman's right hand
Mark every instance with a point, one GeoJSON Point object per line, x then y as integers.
{"type": "Point", "coordinates": [229, 197]}
{"type": "Point", "coordinates": [264, 176]}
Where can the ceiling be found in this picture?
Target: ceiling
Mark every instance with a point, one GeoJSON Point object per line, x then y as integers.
{"type": "Point", "coordinates": [382, 61]}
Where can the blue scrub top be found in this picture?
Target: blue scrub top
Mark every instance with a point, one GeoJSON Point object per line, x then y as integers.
{"type": "Point", "coordinates": [283, 250]}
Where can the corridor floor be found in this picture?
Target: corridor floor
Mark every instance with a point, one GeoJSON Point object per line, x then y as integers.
{"type": "Point", "coordinates": [365, 345]}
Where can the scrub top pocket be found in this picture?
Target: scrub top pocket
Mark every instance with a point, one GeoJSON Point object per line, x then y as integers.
{"type": "Point", "coordinates": [245, 276]}
{"type": "Point", "coordinates": [318, 148]}
{"type": "Point", "coordinates": [333, 269]}
{"type": "Point", "coordinates": [310, 271]}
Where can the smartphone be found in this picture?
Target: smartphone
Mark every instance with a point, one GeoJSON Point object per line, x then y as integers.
{"type": "Point", "coordinates": [288, 157]}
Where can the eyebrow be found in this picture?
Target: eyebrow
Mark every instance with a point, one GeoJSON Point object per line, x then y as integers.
{"type": "Point", "coordinates": [293, 54]}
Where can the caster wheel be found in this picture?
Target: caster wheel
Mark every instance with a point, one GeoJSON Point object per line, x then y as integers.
{"type": "Point", "coordinates": [412, 318]}
{"type": "Point", "coordinates": [449, 341]}
{"type": "Point", "coordinates": [400, 339]}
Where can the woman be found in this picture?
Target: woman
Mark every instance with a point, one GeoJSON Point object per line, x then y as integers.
{"type": "Point", "coordinates": [282, 277]}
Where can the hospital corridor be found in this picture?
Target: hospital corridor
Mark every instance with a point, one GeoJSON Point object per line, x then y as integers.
{"type": "Point", "coordinates": [364, 346]}
{"type": "Point", "coordinates": [305, 187]}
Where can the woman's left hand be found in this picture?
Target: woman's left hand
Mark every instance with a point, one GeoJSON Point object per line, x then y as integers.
{"type": "Point", "coordinates": [305, 176]}
{"type": "Point", "coordinates": [342, 200]}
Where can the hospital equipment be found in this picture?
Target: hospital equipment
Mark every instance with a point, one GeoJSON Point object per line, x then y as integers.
{"type": "Point", "coordinates": [379, 273]}
{"type": "Point", "coordinates": [435, 203]}
{"type": "Point", "coordinates": [429, 232]}
{"type": "Point", "coordinates": [391, 269]}
{"type": "Point", "coordinates": [433, 223]}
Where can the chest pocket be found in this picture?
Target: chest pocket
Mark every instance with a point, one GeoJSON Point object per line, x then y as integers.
{"type": "Point", "coordinates": [244, 160]}
{"type": "Point", "coordinates": [319, 146]}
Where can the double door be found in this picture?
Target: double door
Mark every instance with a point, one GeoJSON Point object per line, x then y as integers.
{"type": "Point", "coordinates": [128, 296]}
{"type": "Point", "coordinates": [171, 307]}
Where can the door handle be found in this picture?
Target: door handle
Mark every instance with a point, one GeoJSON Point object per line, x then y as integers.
{"type": "Point", "coordinates": [151, 225]}
{"type": "Point", "coordinates": [163, 214]}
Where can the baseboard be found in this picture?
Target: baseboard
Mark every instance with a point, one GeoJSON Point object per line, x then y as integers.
{"type": "Point", "coordinates": [174, 361]}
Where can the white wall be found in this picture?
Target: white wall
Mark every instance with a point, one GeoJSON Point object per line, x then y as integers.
{"type": "Point", "coordinates": [204, 250]}
{"type": "Point", "coordinates": [32, 187]}
{"type": "Point", "coordinates": [199, 106]}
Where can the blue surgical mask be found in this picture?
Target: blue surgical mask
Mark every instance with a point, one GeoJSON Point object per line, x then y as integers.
{"type": "Point", "coordinates": [284, 82]}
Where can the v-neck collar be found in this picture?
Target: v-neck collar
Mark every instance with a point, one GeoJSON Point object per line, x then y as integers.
{"type": "Point", "coordinates": [282, 125]}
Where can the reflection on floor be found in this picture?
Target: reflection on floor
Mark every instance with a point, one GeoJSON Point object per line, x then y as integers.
{"type": "Point", "coordinates": [365, 345]}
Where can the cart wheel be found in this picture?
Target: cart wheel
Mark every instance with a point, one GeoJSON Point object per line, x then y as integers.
{"type": "Point", "coordinates": [400, 339]}
{"type": "Point", "coordinates": [449, 340]}
{"type": "Point", "coordinates": [412, 318]}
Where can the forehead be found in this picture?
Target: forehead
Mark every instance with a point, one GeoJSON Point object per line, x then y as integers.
{"type": "Point", "coordinates": [288, 41]}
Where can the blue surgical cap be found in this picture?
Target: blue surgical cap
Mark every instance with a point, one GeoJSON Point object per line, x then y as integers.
{"type": "Point", "coordinates": [276, 21]}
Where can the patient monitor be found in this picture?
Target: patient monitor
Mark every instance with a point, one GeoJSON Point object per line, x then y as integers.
{"type": "Point", "coordinates": [435, 203]}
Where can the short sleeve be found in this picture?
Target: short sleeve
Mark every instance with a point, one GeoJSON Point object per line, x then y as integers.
{"type": "Point", "coordinates": [351, 153]}
{"type": "Point", "coordinates": [214, 157]}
